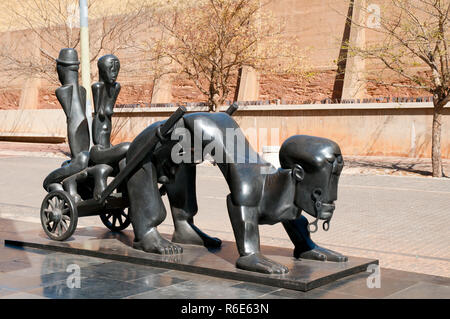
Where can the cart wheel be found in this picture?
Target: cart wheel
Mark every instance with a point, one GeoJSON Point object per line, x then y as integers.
{"type": "Point", "coordinates": [116, 220]}
{"type": "Point", "coordinates": [59, 216]}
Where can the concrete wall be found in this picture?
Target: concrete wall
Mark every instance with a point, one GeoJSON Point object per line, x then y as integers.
{"type": "Point", "coordinates": [33, 125]}
{"type": "Point", "coordinates": [388, 129]}
{"type": "Point", "coordinates": [365, 131]}
{"type": "Point", "coordinates": [319, 24]}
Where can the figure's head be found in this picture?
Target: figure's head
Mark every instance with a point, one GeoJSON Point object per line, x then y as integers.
{"type": "Point", "coordinates": [67, 65]}
{"type": "Point", "coordinates": [108, 68]}
{"type": "Point", "coordinates": [316, 165]}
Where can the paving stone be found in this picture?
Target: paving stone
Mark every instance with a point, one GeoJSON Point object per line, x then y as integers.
{"type": "Point", "coordinates": [402, 221]}
{"type": "Point", "coordinates": [92, 288]}
{"type": "Point", "coordinates": [423, 290]}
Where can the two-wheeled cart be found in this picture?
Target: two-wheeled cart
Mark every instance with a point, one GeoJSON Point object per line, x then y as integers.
{"type": "Point", "coordinates": [60, 212]}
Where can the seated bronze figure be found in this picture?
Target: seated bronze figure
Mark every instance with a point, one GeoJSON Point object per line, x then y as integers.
{"type": "Point", "coordinates": [104, 157]}
{"type": "Point", "coordinates": [72, 98]}
{"type": "Point", "coordinates": [105, 93]}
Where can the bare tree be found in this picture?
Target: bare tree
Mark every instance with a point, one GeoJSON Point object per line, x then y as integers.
{"type": "Point", "coordinates": [412, 44]}
{"type": "Point", "coordinates": [46, 26]}
{"type": "Point", "coordinates": [210, 40]}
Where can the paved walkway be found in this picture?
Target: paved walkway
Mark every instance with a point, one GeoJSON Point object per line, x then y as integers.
{"type": "Point", "coordinates": [402, 221]}
{"type": "Point", "coordinates": [27, 273]}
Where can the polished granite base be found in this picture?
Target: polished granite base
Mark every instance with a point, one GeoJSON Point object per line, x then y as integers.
{"type": "Point", "coordinates": [303, 275]}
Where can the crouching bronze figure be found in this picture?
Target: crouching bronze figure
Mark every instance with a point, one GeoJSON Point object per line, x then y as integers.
{"type": "Point", "coordinates": [259, 194]}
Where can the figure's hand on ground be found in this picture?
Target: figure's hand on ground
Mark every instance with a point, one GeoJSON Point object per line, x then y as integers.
{"type": "Point", "coordinates": [258, 263]}
{"type": "Point", "coordinates": [322, 254]}
{"type": "Point", "coordinates": [153, 242]}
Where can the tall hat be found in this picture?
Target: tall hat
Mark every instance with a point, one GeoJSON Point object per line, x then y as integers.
{"type": "Point", "coordinates": [68, 56]}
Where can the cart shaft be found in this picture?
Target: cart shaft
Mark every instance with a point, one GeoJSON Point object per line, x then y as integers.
{"type": "Point", "coordinates": [140, 156]}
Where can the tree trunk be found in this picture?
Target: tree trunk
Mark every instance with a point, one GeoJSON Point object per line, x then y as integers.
{"type": "Point", "coordinates": [436, 158]}
{"type": "Point", "coordinates": [214, 102]}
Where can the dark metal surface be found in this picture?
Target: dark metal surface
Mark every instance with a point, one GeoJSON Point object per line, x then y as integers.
{"type": "Point", "coordinates": [232, 109]}
{"type": "Point", "coordinates": [146, 148]}
{"type": "Point", "coordinates": [115, 219]}
{"type": "Point", "coordinates": [72, 98]}
{"type": "Point", "coordinates": [259, 194]}
{"type": "Point", "coordinates": [59, 215]}
{"type": "Point", "coordinates": [105, 93]}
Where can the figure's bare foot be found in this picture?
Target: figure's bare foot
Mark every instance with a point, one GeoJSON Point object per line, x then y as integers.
{"type": "Point", "coordinates": [189, 234]}
{"type": "Point", "coordinates": [322, 254]}
{"type": "Point", "coordinates": [153, 242]}
{"type": "Point", "coordinates": [258, 263]}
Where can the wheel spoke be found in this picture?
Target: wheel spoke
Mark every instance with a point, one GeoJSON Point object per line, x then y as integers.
{"type": "Point", "coordinates": [60, 230]}
{"type": "Point", "coordinates": [58, 203]}
{"type": "Point", "coordinates": [50, 203]}
{"type": "Point", "coordinates": [120, 220]}
{"type": "Point", "coordinates": [53, 229]}
{"type": "Point", "coordinates": [114, 220]}
{"type": "Point", "coordinates": [58, 215]}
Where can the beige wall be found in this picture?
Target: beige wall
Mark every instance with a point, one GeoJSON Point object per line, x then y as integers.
{"type": "Point", "coordinates": [33, 125]}
{"type": "Point", "coordinates": [319, 24]}
{"type": "Point", "coordinates": [385, 130]}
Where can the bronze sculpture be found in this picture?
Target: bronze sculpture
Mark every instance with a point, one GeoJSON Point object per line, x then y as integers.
{"type": "Point", "coordinates": [105, 93]}
{"type": "Point", "coordinates": [103, 158]}
{"type": "Point", "coordinates": [167, 153]}
{"type": "Point", "coordinates": [308, 179]}
{"type": "Point", "coordinates": [72, 98]}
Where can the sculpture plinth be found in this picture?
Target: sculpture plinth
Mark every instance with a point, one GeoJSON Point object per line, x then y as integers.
{"type": "Point", "coordinates": [303, 275]}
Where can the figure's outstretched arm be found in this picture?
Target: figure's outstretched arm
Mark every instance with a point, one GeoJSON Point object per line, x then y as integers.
{"type": "Point", "coordinates": [244, 221]}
